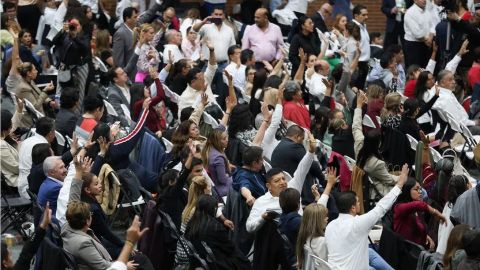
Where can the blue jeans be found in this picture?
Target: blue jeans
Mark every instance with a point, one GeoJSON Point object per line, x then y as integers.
{"type": "Point", "coordinates": [376, 262]}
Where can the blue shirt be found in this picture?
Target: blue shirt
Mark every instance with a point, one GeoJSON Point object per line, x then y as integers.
{"type": "Point", "coordinates": [253, 181]}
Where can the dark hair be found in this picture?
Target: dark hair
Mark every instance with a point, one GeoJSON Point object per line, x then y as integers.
{"type": "Point", "coordinates": [180, 136]}
{"type": "Point", "coordinates": [40, 152]}
{"type": "Point", "coordinates": [44, 126]}
{"type": "Point", "coordinates": [240, 120]}
{"type": "Point", "coordinates": [301, 21]}
{"type": "Point", "coordinates": [345, 200]}
{"type": "Point", "coordinates": [471, 243]}
{"type": "Point", "coordinates": [337, 72]}
{"type": "Point", "coordinates": [289, 200]}
{"type": "Point", "coordinates": [385, 59]}
{"type": "Point", "coordinates": [272, 172]}
{"type": "Point", "coordinates": [457, 185]}
{"type": "Point", "coordinates": [92, 102]}
{"type": "Point", "coordinates": [252, 154]}
{"type": "Point", "coordinates": [411, 71]}
{"type": "Point", "coordinates": [259, 80]}
{"type": "Point", "coordinates": [112, 73]}
{"type": "Point", "coordinates": [476, 54]}
{"type": "Point", "coordinates": [6, 120]}
{"type": "Point", "coordinates": [192, 74]}
{"type": "Point", "coordinates": [321, 118]}
{"type": "Point", "coordinates": [196, 162]}
{"type": "Point", "coordinates": [410, 106]}
{"type": "Point", "coordinates": [245, 56]}
{"type": "Point", "coordinates": [357, 10]}
{"type": "Point", "coordinates": [186, 113]}
{"type": "Point", "coordinates": [128, 13]}
{"type": "Point", "coordinates": [405, 197]}
{"type": "Point", "coordinates": [370, 147]}
{"type": "Point", "coordinates": [294, 130]}
{"type": "Point", "coordinates": [353, 29]}
{"type": "Point", "coordinates": [8, 5]}
{"type": "Point", "coordinates": [4, 20]}
{"type": "Point", "coordinates": [420, 85]}
{"type": "Point", "coordinates": [394, 48]}
{"type": "Point", "coordinates": [374, 35]}
{"type": "Point", "coordinates": [203, 216]}
{"type": "Point", "coordinates": [100, 130]}
{"type": "Point", "coordinates": [231, 49]}
{"type": "Point", "coordinates": [69, 98]}
{"type": "Point", "coordinates": [148, 81]}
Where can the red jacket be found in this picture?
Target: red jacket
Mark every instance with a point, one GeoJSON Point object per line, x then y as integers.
{"type": "Point", "coordinates": [410, 224]}
{"type": "Point", "coordinates": [153, 121]}
{"type": "Point", "coordinates": [297, 114]}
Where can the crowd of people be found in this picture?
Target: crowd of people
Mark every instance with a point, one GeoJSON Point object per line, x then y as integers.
{"type": "Point", "coordinates": [261, 139]}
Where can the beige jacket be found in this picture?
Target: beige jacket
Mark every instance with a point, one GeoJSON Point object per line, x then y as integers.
{"type": "Point", "coordinates": [9, 163]}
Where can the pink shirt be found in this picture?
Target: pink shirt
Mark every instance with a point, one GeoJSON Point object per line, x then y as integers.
{"type": "Point", "coordinates": [265, 44]}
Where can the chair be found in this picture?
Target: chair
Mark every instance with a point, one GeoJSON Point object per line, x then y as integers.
{"type": "Point", "coordinates": [368, 122]}
{"type": "Point", "coordinates": [14, 212]}
{"type": "Point", "coordinates": [30, 106]}
{"type": "Point", "coordinates": [435, 154]}
{"type": "Point", "coordinates": [321, 264]}
{"type": "Point", "coordinates": [210, 120]}
{"type": "Point", "coordinates": [168, 145]}
{"type": "Point", "coordinates": [350, 162]}
{"type": "Point", "coordinates": [379, 119]}
{"type": "Point", "coordinates": [413, 142]}
{"type": "Point", "coordinates": [174, 97]}
{"type": "Point", "coordinates": [126, 112]}
{"type": "Point", "coordinates": [110, 109]}
{"type": "Point", "coordinates": [101, 66]}
{"type": "Point", "coordinates": [267, 165]}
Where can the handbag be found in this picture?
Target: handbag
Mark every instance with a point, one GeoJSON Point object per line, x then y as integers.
{"type": "Point", "coordinates": [64, 74]}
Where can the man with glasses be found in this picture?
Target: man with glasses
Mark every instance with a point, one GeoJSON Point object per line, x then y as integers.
{"type": "Point", "coordinates": [321, 16]}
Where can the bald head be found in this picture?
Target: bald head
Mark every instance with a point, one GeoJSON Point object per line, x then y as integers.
{"type": "Point", "coordinates": [261, 17]}
{"type": "Point", "coordinates": [322, 67]}
{"type": "Point", "coordinates": [326, 10]}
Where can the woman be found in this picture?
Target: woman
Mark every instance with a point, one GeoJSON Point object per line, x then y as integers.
{"type": "Point", "coordinates": [424, 83]}
{"type": "Point", "coordinates": [392, 111]}
{"type": "Point", "coordinates": [241, 124]}
{"type": "Point", "coordinates": [192, 18]}
{"type": "Point", "coordinates": [103, 49]}
{"type": "Point", "coordinates": [340, 24]}
{"type": "Point", "coordinates": [26, 50]}
{"type": "Point", "coordinates": [294, 107]}
{"type": "Point", "coordinates": [270, 90]}
{"type": "Point", "coordinates": [352, 34]}
{"type": "Point", "coordinates": [311, 237]}
{"type": "Point", "coordinates": [305, 38]}
{"type": "Point", "coordinates": [454, 252]}
{"type": "Point", "coordinates": [457, 185]}
{"type": "Point", "coordinates": [93, 108]}
{"type": "Point", "coordinates": [411, 111]}
{"type": "Point", "coordinates": [149, 56]}
{"type": "Point", "coordinates": [320, 124]}
{"type": "Point", "coordinates": [342, 140]}
{"type": "Point", "coordinates": [204, 229]}
{"type": "Point", "coordinates": [408, 218]}
{"type": "Point", "coordinates": [413, 72]}
{"type": "Point", "coordinates": [187, 129]}
{"type": "Point", "coordinates": [8, 148]}
{"type": "Point", "coordinates": [250, 75]}
{"type": "Point", "coordinates": [216, 162]}
{"type": "Point", "coordinates": [191, 45]}
{"type": "Point", "coordinates": [375, 102]}
{"type": "Point", "coordinates": [177, 79]}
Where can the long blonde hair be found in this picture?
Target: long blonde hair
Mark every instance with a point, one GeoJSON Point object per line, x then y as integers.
{"type": "Point", "coordinates": [197, 188]}
{"type": "Point", "coordinates": [392, 105]}
{"type": "Point", "coordinates": [312, 226]}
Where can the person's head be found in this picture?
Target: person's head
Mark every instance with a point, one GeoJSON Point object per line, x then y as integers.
{"type": "Point", "coordinates": [326, 10]}
{"type": "Point", "coordinates": [189, 128]}
{"type": "Point", "coordinates": [93, 104]}
{"type": "Point", "coordinates": [413, 71]}
{"type": "Point", "coordinates": [306, 25]}
{"type": "Point", "coordinates": [376, 38]}
{"type": "Point", "coordinates": [411, 108]}
{"type": "Point", "coordinates": [69, 98]}
{"type": "Point", "coordinates": [314, 222]}
{"type": "Point", "coordinates": [28, 71]}
{"type": "Point", "coordinates": [130, 16]}
{"type": "Point", "coordinates": [295, 133]}
{"type": "Point", "coordinates": [311, 59]}
{"type": "Point", "coordinates": [78, 215]}
{"type": "Point", "coordinates": [336, 114]}
{"type": "Point", "coordinates": [45, 126]}
{"type": "Point", "coordinates": [6, 126]}
{"type": "Point", "coordinates": [118, 76]}
{"type": "Point", "coordinates": [247, 57]}
{"type": "Point", "coordinates": [353, 30]}
{"type": "Point", "coordinates": [454, 243]}
{"type": "Point", "coordinates": [348, 203]}
{"type": "Point", "coordinates": [193, 14]}
{"type": "Point", "coordinates": [289, 200]}
{"type": "Point", "coordinates": [370, 147]}
{"type": "Point", "coordinates": [103, 40]}
{"type": "Point", "coordinates": [393, 103]}
{"type": "Point", "coordinates": [199, 186]}
{"type": "Point", "coordinates": [411, 191]}
{"type": "Point", "coordinates": [191, 35]}
{"type": "Point", "coordinates": [173, 37]}
{"type": "Point", "coordinates": [167, 179]}
{"type": "Point", "coordinates": [425, 81]}
{"type": "Point", "coordinates": [322, 67]}
{"type": "Point", "coordinates": [397, 52]}
{"type": "Point", "coordinates": [374, 91]}
{"type": "Point", "coordinates": [241, 119]}
{"type": "Point", "coordinates": [10, 9]}
{"type": "Point", "coordinates": [275, 181]}
{"type": "Point", "coordinates": [218, 13]}
{"type": "Point", "coordinates": [292, 91]}
{"type": "Point", "coordinates": [471, 243]}
{"type": "Point", "coordinates": [446, 80]}
{"type": "Point", "coordinates": [147, 31]}
{"type": "Point", "coordinates": [91, 185]}
{"type": "Point", "coordinates": [420, 3]}
{"type": "Point", "coordinates": [253, 158]}
{"type": "Point", "coordinates": [196, 78]}
{"type": "Point", "coordinates": [234, 53]}
{"type": "Point", "coordinates": [205, 210]}
{"type": "Point", "coordinates": [340, 22]}
{"type": "Point", "coordinates": [457, 185]}
{"type": "Point", "coordinates": [387, 60]}
{"type": "Point", "coordinates": [168, 15]}
{"type": "Point", "coordinates": [88, 12]}
{"type": "Point", "coordinates": [261, 17]}
{"type": "Point", "coordinates": [25, 37]}
{"type": "Point", "coordinates": [54, 167]}
{"type": "Point", "coordinates": [337, 125]}
{"type": "Point", "coordinates": [40, 152]}
{"type": "Point", "coordinates": [250, 74]}
{"type": "Point", "coordinates": [360, 13]}
{"type": "Point", "coordinates": [218, 139]}
{"type": "Point", "coordinates": [197, 167]}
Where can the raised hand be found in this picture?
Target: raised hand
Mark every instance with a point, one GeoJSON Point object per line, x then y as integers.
{"type": "Point", "coordinates": [463, 50]}
{"type": "Point", "coordinates": [204, 99]}
{"type": "Point", "coordinates": [47, 217]}
{"type": "Point", "coordinates": [103, 144]}
{"type": "Point", "coordinates": [228, 75]}
{"type": "Point", "coordinates": [331, 176]}
{"type": "Point", "coordinates": [134, 233]}
{"type": "Point", "coordinates": [231, 102]}
{"type": "Point", "coordinates": [152, 70]}
{"type": "Point", "coordinates": [312, 142]}
{"type": "Point", "coordinates": [403, 176]}
{"type": "Point", "coordinates": [361, 99]}
{"type": "Point", "coordinates": [265, 112]}
{"type": "Point", "coordinates": [146, 103]}
{"type": "Point", "coordinates": [20, 104]}
{"type": "Point", "coordinates": [302, 55]}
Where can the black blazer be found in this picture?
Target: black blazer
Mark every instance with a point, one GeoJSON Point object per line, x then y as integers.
{"type": "Point", "coordinates": [387, 6]}
{"type": "Point", "coordinates": [65, 122]}
{"type": "Point", "coordinates": [319, 22]}
{"type": "Point", "coordinates": [311, 45]}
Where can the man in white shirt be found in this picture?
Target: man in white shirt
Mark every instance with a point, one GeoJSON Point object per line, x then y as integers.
{"type": "Point", "coordinates": [360, 15]}
{"type": "Point", "coordinates": [44, 133]}
{"type": "Point", "coordinates": [236, 68]}
{"type": "Point", "coordinates": [347, 236]}
{"type": "Point", "coordinates": [174, 40]}
{"type": "Point", "coordinates": [299, 7]}
{"type": "Point", "coordinates": [419, 34]}
{"type": "Point", "coordinates": [315, 85]}
{"type": "Point", "coordinates": [214, 29]}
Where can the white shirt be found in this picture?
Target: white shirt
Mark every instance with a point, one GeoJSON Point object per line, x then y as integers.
{"type": "Point", "coordinates": [176, 53]}
{"type": "Point", "coordinates": [434, 12]}
{"type": "Point", "coordinates": [64, 195]}
{"type": "Point", "coordinates": [299, 6]}
{"type": "Point", "coordinates": [221, 38]}
{"type": "Point", "coordinates": [347, 236]}
{"type": "Point", "coordinates": [447, 102]}
{"type": "Point", "coordinates": [238, 74]}
{"type": "Point", "coordinates": [116, 265]}
{"type": "Point", "coordinates": [444, 229]}
{"type": "Point", "coordinates": [315, 85]}
{"type": "Point", "coordinates": [267, 201]}
{"type": "Point", "coordinates": [364, 42]}
{"type": "Point", "coordinates": [417, 23]}
{"type": "Point", "coordinates": [125, 92]}
{"type": "Point", "coordinates": [187, 22]}
{"type": "Point", "coordinates": [191, 96]}
{"type": "Point", "coordinates": [269, 142]}
{"type": "Point", "coordinates": [25, 162]}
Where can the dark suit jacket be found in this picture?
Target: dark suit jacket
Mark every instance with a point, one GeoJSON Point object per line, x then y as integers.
{"type": "Point", "coordinates": [387, 6]}
{"type": "Point", "coordinates": [65, 122]}
{"type": "Point", "coordinates": [287, 155]}
{"type": "Point", "coordinates": [319, 22]}
{"type": "Point", "coordinates": [116, 98]}
{"type": "Point", "coordinates": [122, 46]}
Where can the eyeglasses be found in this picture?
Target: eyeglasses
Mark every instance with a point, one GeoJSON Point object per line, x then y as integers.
{"type": "Point", "coordinates": [417, 189]}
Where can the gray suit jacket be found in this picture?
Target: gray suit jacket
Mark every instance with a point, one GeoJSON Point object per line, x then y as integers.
{"type": "Point", "coordinates": [88, 252]}
{"type": "Point", "coordinates": [122, 46]}
{"type": "Point", "coordinates": [116, 98]}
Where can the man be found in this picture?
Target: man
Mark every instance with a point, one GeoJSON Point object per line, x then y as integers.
{"type": "Point", "coordinates": [315, 84]}
{"type": "Point", "coordinates": [347, 236]}
{"type": "Point", "coordinates": [418, 34]}
{"type": "Point", "coordinates": [247, 58]}
{"type": "Point", "coordinates": [466, 209]}
{"type": "Point", "coordinates": [214, 29]}
{"type": "Point", "coordinates": [376, 45]}
{"type": "Point", "coordinates": [174, 40]}
{"type": "Point", "coordinates": [66, 119]}
{"type": "Point", "coordinates": [118, 94]}
{"type": "Point", "coordinates": [263, 38]}
{"type": "Point", "coordinates": [360, 15]}
{"type": "Point", "coordinates": [321, 16]}
{"type": "Point", "coordinates": [44, 133]}
{"type": "Point", "coordinates": [199, 82]}
{"type": "Point", "coordinates": [123, 38]}
{"type": "Point", "coordinates": [299, 7]}
{"type": "Point", "coordinates": [55, 170]}
{"type": "Point", "coordinates": [235, 67]}
{"type": "Point", "coordinates": [394, 30]}
{"type": "Point", "coordinates": [11, 10]}
{"type": "Point", "coordinates": [287, 155]}
{"type": "Point", "coordinates": [471, 30]}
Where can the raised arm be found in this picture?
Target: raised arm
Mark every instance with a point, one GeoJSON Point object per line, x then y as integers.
{"type": "Point", "coordinates": [276, 120]}
{"type": "Point", "coordinates": [304, 166]}
{"type": "Point", "coordinates": [331, 181]}
{"type": "Point", "coordinates": [15, 53]}
{"type": "Point", "coordinates": [265, 123]}
{"type": "Point", "coordinates": [301, 69]}
{"type": "Point", "coordinates": [357, 122]}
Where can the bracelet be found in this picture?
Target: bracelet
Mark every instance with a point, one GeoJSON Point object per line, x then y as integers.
{"type": "Point", "coordinates": [130, 243]}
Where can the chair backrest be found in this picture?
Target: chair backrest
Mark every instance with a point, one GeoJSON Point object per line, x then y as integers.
{"type": "Point", "coordinates": [368, 122]}
{"type": "Point", "coordinates": [98, 62]}
{"type": "Point", "coordinates": [267, 165]}
{"type": "Point", "coordinates": [126, 112]}
{"type": "Point", "coordinates": [110, 109]}
{"type": "Point", "coordinates": [30, 106]}
{"type": "Point", "coordinates": [210, 120]}
{"type": "Point", "coordinates": [320, 263]}
{"type": "Point", "coordinates": [350, 162]}
{"type": "Point", "coordinates": [168, 145]}
{"type": "Point", "coordinates": [452, 122]}
{"type": "Point", "coordinates": [413, 142]}
{"type": "Point", "coordinates": [328, 150]}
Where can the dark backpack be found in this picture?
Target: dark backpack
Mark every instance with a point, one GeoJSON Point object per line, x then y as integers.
{"type": "Point", "coordinates": [51, 254]}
